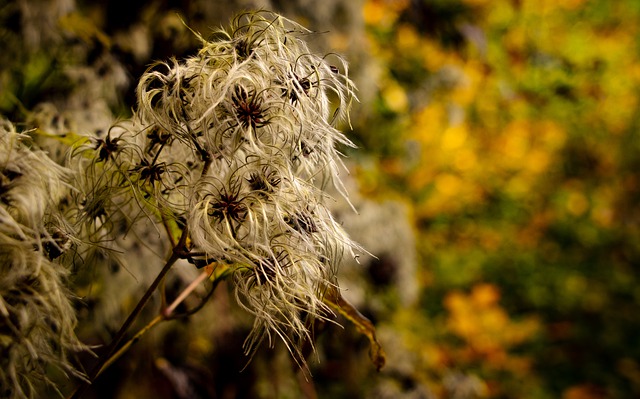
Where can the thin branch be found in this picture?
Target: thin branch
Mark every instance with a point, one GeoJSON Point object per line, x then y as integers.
{"type": "Point", "coordinates": [97, 369]}
{"type": "Point", "coordinates": [208, 272]}
{"type": "Point", "coordinates": [166, 313]}
{"type": "Point", "coordinates": [129, 343]}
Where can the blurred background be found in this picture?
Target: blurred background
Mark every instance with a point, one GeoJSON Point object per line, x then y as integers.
{"type": "Point", "coordinates": [497, 181]}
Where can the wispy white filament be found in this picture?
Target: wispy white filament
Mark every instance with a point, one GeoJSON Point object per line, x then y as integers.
{"type": "Point", "coordinates": [238, 143]}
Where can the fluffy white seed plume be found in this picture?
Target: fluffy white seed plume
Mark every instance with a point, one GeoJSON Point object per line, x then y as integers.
{"type": "Point", "coordinates": [237, 143]}
{"type": "Point", "coordinates": [37, 319]}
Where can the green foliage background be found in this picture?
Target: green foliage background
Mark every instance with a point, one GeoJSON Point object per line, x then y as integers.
{"type": "Point", "coordinates": [512, 126]}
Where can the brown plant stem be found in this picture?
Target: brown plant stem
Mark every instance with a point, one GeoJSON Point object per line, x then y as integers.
{"type": "Point", "coordinates": [165, 314]}
{"type": "Point", "coordinates": [168, 311]}
{"type": "Point", "coordinates": [129, 343]}
{"type": "Point", "coordinates": [97, 369]}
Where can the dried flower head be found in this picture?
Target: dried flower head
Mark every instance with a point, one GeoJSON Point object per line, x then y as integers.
{"type": "Point", "coordinates": [251, 115]}
{"type": "Point", "coordinates": [37, 319]}
{"type": "Point", "coordinates": [29, 180]}
{"type": "Point", "coordinates": [237, 143]}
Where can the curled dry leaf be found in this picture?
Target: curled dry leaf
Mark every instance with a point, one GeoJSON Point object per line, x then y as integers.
{"type": "Point", "coordinates": [336, 301]}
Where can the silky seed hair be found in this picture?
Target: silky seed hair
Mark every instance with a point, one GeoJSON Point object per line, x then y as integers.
{"type": "Point", "coordinates": [239, 142]}
{"type": "Point", "coordinates": [29, 180]}
{"type": "Point", "coordinates": [37, 319]}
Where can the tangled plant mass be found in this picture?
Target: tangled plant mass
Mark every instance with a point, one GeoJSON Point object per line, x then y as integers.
{"type": "Point", "coordinates": [37, 319]}
{"type": "Point", "coordinates": [237, 142]}
{"type": "Point", "coordinates": [229, 152]}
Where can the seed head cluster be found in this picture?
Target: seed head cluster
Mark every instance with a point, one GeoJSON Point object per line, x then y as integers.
{"type": "Point", "coordinates": [237, 144]}
{"type": "Point", "coordinates": [37, 319]}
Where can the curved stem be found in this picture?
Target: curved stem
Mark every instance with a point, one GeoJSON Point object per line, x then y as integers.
{"type": "Point", "coordinates": [128, 344]}
{"type": "Point", "coordinates": [167, 228]}
{"type": "Point", "coordinates": [97, 369]}
{"type": "Point", "coordinates": [167, 312]}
